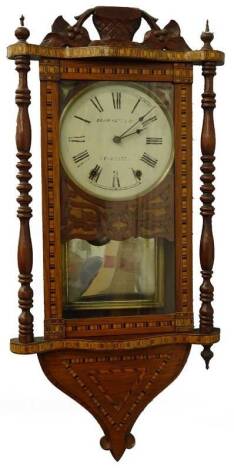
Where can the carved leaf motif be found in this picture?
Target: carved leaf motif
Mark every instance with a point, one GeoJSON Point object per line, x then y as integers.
{"type": "Point", "coordinates": [64, 35]}
{"type": "Point", "coordinates": [168, 38]}
{"type": "Point", "coordinates": [59, 25]}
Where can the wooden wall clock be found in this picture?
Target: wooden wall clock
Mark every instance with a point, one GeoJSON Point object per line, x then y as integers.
{"type": "Point", "coordinates": [116, 135]}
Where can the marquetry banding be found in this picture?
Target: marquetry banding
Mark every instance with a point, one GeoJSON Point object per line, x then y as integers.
{"type": "Point", "coordinates": [122, 422]}
{"type": "Point", "coordinates": [35, 52]}
{"type": "Point", "coordinates": [183, 206]}
{"type": "Point", "coordinates": [51, 204]}
{"type": "Point", "coordinates": [93, 71]}
{"type": "Point", "coordinates": [41, 345]}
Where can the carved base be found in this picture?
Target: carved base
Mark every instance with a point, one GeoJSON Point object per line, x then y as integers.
{"type": "Point", "coordinates": [115, 386]}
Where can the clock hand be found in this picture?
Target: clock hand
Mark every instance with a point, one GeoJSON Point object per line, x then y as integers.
{"type": "Point", "coordinates": [118, 139]}
{"type": "Point", "coordinates": [146, 114]}
{"type": "Point", "coordinates": [135, 123]}
{"type": "Point", "coordinates": [138, 131]}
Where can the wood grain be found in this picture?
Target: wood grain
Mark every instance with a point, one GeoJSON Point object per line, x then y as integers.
{"type": "Point", "coordinates": [41, 345]}
{"type": "Point", "coordinates": [207, 198]}
{"type": "Point", "coordinates": [25, 253]}
{"type": "Point", "coordinates": [114, 366]}
{"type": "Point", "coordinates": [144, 53]}
{"type": "Point", "coordinates": [88, 224]}
{"type": "Point", "coordinates": [115, 387]}
{"type": "Point", "coordinates": [207, 208]}
{"type": "Point", "coordinates": [89, 218]}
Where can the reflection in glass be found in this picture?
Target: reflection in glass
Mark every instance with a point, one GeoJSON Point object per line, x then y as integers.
{"type": "Point", "coordinates": [119, 271]}
{"type": "Point", "coordinates": [129, 277]}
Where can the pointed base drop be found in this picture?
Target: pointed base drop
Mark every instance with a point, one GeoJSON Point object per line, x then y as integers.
{"type": "Point", "coordinates": [207, 354]}
{"type": "Point", "coordinates": [118, 446]}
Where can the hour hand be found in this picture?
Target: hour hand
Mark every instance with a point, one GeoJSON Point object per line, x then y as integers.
{"type": "Point", "coordinates": [117, 139]}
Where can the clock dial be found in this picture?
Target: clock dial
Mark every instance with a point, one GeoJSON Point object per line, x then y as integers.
{"type": "Point", "coordinates": [116, 140]}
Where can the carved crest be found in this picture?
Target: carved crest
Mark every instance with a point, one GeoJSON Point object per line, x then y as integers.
{"type": "Point", "coordinates": [115, 25]}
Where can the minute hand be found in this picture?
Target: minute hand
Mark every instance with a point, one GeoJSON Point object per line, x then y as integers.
{"type": "Point", "coordinates": [141, 118]}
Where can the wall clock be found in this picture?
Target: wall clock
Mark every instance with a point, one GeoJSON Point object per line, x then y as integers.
{"type": "Point", "coordinates": [116, 134]}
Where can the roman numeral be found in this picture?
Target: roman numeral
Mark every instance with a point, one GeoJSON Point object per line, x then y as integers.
{"type": "Point", "coordinates": [116, 97]}
{"type": "Point", "coordinates": [137, 175]}
{"type": "Point", "coordinates": [115, 181]}
{"type": "Point", "coordinates": [77, 139]}
{"type": "Point", "coordinates": [97, 104]}
{"type": "Point", "coordinates": [95, 173]}
{"type": "Point", "coordinates": [81, 156]}
{"type": "Point", "coordinates": [149, 120]}
{"type": "Point", "coordinates": [146, 158]}
{"type": "Point", "coordinates": [154, 140]}
{"type": "Point", "coordinates": [135, 105]}
{"type": "Point", "coordinates": [82, 119]}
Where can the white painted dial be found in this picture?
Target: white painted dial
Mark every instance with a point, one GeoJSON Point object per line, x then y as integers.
{"type": "Point", "coordinates": [116, 140]}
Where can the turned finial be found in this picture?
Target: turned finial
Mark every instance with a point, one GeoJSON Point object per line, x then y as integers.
{"type": "Point", "coordinates": [22, 33]}
{"type": "Point", "coordinates": [207, 354]}
{"type": "Point", "coordinates": [207, 37]}
{"type": "Point", "coordinates": [22, 20]}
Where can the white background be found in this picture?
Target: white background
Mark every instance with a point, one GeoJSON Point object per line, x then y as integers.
{"type": "Point", "coordinates": [190, 424]}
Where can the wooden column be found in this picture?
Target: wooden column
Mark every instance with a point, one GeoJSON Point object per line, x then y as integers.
{"type": "Point", "coordinates": [207, 208]}
{"type": "Point", "coordinates": [207, 198]}
{"type": "Point", "coordinates": [23, 143]}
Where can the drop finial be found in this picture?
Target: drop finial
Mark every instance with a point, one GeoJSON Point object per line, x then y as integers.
{"type": "Point", "coordinates": [207, 37]}
{"type": "Point", "coordinates": [207, 355]}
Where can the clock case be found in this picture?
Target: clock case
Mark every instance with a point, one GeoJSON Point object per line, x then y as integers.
{"type": "Point", "coordinates": [114, 366]}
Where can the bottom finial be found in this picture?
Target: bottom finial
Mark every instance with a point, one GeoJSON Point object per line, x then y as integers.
{"type": "Point", "coordinates": [207, 354]}
{"type": "Point", "coordinates": [118, 446]}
